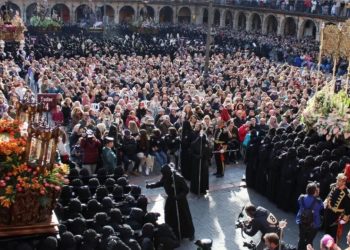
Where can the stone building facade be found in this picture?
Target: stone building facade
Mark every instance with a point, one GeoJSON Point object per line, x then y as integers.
{"type": "Point", "coordinates": [196, 12]}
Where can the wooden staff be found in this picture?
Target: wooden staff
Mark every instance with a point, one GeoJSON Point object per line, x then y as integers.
{"type": "Point", "coordinates": [319, 57]}
{"type": "Point", "coordinates": [347, 77]}
{"type": "Point", "coordinates": [334, 69]}
{"type": "Point", "coordinates": [177, 207]}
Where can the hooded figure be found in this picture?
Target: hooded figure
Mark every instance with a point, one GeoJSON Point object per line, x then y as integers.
{"type": "Point", "coordinates": [176, 188]}
{"type": "Point", "coordinates": [185, 157]}
{"type": "Point", "coordinates": [200, 165]}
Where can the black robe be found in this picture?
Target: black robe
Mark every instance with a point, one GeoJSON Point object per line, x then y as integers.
{"type": "Point", "coordinates": [186, 156]}
{"type": "Point", "coordinates": [186, 224]}
{"type": "Point", "coordinates": [287, 182]}
{"type": "Point", "coordinates": [252, 162]}
{"type": "Point", "coordinates": [261, 172]}
{"type": "Point", "coordinates": [200, 165]}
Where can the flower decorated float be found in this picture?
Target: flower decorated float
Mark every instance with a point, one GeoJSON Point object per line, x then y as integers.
{"type": "Point", "coordinates": [30, 177]}
{"type": "Point", "coordinates": [328, 113]}
{"type": "Point", "coordinates": [11, 28]}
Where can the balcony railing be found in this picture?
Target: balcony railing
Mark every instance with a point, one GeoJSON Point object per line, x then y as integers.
{"type": "Point", "coordinates": [294, 7]}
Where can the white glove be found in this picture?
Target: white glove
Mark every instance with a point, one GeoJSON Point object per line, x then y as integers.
{"type": "Point", "coordinates": [222, 151]}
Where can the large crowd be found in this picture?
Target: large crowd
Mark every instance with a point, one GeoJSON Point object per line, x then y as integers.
{"type": "Point", "coordinates": [132, 102]}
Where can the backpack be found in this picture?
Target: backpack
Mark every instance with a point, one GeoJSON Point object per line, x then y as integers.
{"type": "Point", "coordinates": [307, 214]}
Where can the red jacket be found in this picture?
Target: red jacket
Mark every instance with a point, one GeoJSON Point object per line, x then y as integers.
{"type": "Point", "coordinates": [225, 116]}
{"type": "Point", "coordinates": [242, 132]}
{"type": "Point", "coordinates": [57, 117]}
{"type": "Point", "coordinates": [132, 118]}
{"type": "Point", "coordinates": [90, 148]}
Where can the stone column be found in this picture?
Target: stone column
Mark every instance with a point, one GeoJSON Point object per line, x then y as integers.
{"type": "Point", "coordinates": [318, 28]}
{"type": "Point", "coordinates": [116, 15]}
{"type": "Point", "coordinates": [199, 16]}
{"type": "Point", "coordinates": [175, 21]}
{"type": "Point", "coordinates": [280, 26]}
{"type": "Point", "coordinates": [156, 14]}
{"type": "Point", "coordinates": [235, 20]}
{"type": "Point", "coordinates": [263, 26]}
{"type": "Point", "coordinates": [222, 18]}
{"type": "Point", "coordinates": [72, 16]}
{"type": "Point", "coordinates": [248, 23]}
{"type": "Point", "coordinates": [300, 28]}
{"type": "Point", "coordinates": [24, 13]}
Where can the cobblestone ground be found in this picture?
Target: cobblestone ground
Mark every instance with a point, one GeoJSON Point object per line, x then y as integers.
{"type": "Point", "coordinates": [214, 215]}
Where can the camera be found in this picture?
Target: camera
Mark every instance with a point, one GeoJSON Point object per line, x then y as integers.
{"type": "Point", "coordinates": [239, 224]}
{"type": "Point", "coordinates": [249, 245]}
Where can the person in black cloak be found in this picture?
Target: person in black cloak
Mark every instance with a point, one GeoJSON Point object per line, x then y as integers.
{"type": "Point", "coordinates": [186, 138]}
{"type": "Point", "coordinates": [252, 158]}
{"type": "Point", "coordinates": [306, 167]}
{"type": "Point", "coordinates": [200, 162]}
{"type": "Point", "coordinates": [273, 170]}
{"type": "Point", "coordinates": [261, 172]}
{"type": "Point", "coordinates": [176, 206]}
{"type": "Point", "coordinates": [288, 180]}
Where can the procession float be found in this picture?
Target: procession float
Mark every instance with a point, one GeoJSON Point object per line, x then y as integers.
{"type": "Point", "coordinates": [328, 111]}
{"type": "Point", "coordinates": [30, 175]}
{"type": "Point", "coordinates": [12, 27]}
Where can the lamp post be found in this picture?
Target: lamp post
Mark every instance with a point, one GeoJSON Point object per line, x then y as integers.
{"type": "Point", "coordinates": [207, 47]}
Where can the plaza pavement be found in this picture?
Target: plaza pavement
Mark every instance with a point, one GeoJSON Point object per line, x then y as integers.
{"type": "Point", "coordinates": [214, 215]}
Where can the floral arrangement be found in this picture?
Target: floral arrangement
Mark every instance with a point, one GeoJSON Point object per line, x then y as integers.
{"type": "Point", "coordinates": [46, 23]}
{"type": "Point", "coordinates": [16, 176]}
{"type": "Point", "coordinates": [329, 114]}
{"type": "Point", "coordinates": [11, 141]}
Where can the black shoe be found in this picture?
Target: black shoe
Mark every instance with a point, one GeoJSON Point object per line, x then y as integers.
{"type": "Point", "coordinates": [215, 173]}
{"type": "Point", "coordinates": [219, 175]}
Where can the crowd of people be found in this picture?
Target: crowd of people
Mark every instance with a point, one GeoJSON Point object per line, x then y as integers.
{"type": "Point", "coordinates": [323, 7]}
{"type": "Point", "coordinates": [131, 103]}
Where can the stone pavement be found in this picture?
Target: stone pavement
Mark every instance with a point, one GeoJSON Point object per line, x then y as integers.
{"type": "Point", "coordinates": [214, 215]}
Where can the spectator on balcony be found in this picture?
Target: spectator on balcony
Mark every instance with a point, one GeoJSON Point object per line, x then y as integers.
{"type": "Point", "coordinates": [307, 5]}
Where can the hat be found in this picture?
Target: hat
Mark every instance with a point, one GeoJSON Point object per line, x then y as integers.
{"type": "Point", "coordinates": [89, 133]}
{"type": "Point", "coordinates": [109, 139]}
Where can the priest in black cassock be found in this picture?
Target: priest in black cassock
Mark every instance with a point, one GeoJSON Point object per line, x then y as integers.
{"type": "Point", "coordinates": [176, 207]}
{"type": "Point", "coordinates": [200, 152]}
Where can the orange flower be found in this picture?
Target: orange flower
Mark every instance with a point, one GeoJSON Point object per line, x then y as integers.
{"type": "Point", "coordinates": [9, 190]}
{"type": "Point", "coordinates": [5, 202]}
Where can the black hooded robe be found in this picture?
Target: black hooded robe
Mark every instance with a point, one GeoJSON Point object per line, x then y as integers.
{"type": "Point", "coordinates": [171, 204]}
{"type": "Point", "coordinates": [200, 165]}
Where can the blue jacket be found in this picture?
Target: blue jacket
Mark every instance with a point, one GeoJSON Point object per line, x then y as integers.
{"type": "Point", "coordinates": [318, 207]}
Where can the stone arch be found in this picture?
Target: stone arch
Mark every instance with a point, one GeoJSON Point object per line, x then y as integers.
{"type": "Point", "coordinates": [271, 24]}
{"type": "Point", "coordinates": [84, 13]}
{"type": "Point", "coordinates": [228, 18]}
{"type": "Point", "coordinates": [110, 13]}
{"type": "Point", "coordinates": [166, 15]}
{"type": "Point", "coordinates": [216, 20]}
{"type": "Point", "coordinates": [308, 29]}
{"type": "Point", "coordinates": [126, 14]}
{"type": "Point", "coordinates": [30, 11]}
{"type": "Point", "coordinates": [255, 22]}
{"type": "Point", "coordinates": [147, 12]}
{"type": "Point", "coordinates": [62, 11]}
{"type": "Point", "coordinates": [205, 16]}
{"type": "Point", "coordinates": [241, 21]}
{"type": "Point", "coordinates": [184, 15]}
{"type": "Point", "coordinates": [289, 26]}
{"type": "Point", "coordinates": [12, 7]}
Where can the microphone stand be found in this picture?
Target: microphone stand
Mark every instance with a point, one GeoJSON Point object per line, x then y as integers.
{"type": "Point", "coordinates": [177, 207]}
